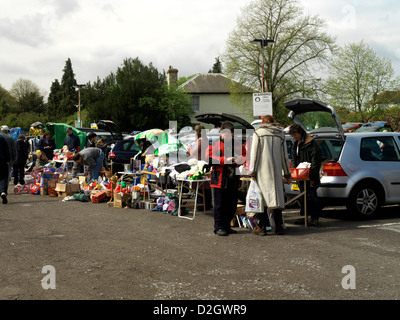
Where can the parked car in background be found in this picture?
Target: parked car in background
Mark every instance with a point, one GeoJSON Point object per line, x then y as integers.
{"type": "Point", "coordinates": [216, 119]}
{"type": "Point", "coordinates": [351, 126]}
{"type": "Point", "coordinates": [361, 170]}
{"type": "Point", "coordinates": [375, 126]}
{"type": "Point", "coordinates": [107, 130]}
{"type": "Point", "coordinates": [121, 154]}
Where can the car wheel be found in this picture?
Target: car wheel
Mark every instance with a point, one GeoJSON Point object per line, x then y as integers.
{"type": "Point", "coordinates": [364, 201]}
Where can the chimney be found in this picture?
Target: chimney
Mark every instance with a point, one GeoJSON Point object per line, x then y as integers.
{"type": "Point", "coordinates": [172, 77]}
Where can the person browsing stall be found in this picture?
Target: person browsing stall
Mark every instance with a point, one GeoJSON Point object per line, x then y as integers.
{"type": "Point", "coordinates": [200, 152]}
{"type": "Point", "coordinates": [225, 157]}
{"type": "Point", "coordinates": [20, 162]}
{"type": "Point", "coordinates": [306, 149]}
{"type": "Point", "coordinates": [91, 137]}
{"type": "Point", "coordinates": [268, 159]}
{"type": "Point", "coordinates": [92, 157]}
{"type": "Point", "coordinates": [200, 148]}
{"type": "Point", "coordinates": [72, 141]}
{"type": "Point", "coordinates": [47, 145]}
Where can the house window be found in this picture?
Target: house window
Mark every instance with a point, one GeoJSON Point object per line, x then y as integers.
{"type": "Point", "coordinates": [196, 103]}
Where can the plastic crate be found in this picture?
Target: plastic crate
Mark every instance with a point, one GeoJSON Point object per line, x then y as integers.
{"type": "Point", "coordinates": [298, 173]}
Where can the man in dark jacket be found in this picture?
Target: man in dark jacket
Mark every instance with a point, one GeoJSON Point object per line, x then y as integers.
{"type": "Point", "coordinates": [72, 141]}
{"type": "Point", "coordinates": [224, 159]}
{"type": "Point", "coordinates": [12, 146]}
{"type": "Point", "coordinates": [306, 149]}
{"type": "Point", "coordinates": [5, 158]}
{"type": "Point", "coordinates": [22, 157]}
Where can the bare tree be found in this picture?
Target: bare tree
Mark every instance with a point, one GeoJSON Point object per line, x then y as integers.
{"type": "Point", "coordinates": [301, 47]}
{"type": "Point", "coordinates": [27, 95]}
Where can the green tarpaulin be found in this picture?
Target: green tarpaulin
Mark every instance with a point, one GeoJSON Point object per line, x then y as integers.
{"type": "Point", "coordinates": [58, 131]}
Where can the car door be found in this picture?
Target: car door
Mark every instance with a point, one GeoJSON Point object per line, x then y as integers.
{"type": "Point", "coordinates": [382, 153]}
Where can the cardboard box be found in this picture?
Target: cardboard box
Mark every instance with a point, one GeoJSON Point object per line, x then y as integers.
{"type": "Point", "coordinates": [240, 211]}
{"type": "Point", "coordinates": [48, 180]}
{"type": "Point", "coordinates": [117, 200]}
{"type": "Point", "coordinates": [122, 200]}
{"type": "Point", "coordinates": [67, 189]}
{"type": "Point", "coordinates": [82, 179]}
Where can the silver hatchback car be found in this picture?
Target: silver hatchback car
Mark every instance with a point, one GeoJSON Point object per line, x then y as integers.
{"type": "Point", "coordinates": [361, 170]}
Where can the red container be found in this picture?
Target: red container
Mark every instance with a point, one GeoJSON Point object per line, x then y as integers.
{"type": "Point", "coordinates": [99, 197]}
{"type": "Point", "coordinates": [299, 173]}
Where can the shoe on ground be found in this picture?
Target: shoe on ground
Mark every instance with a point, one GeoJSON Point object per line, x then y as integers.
{"type": "Point", "coordinates": [221, 232]}
{"type": "Point", "coordinates": [314, 223]}
{"type": "Point", "coordinates": [259, 231]}
{"type": "Point", "coordinates": [4, 197]}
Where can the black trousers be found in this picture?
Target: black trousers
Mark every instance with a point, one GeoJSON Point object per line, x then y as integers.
{"type": "Point", "coordinates": [276, 214]}
{"type": "Point", "coordinates": [19, 173]}
{"type": "Point", "coordinates": [225, 205]}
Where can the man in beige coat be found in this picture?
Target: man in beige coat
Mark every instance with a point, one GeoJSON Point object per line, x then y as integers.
{"type": "Point", "coordinates": [268, 159]}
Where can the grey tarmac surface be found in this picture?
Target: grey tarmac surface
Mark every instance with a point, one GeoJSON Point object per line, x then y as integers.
{"type": "Point", "coordinates": [106, 253]}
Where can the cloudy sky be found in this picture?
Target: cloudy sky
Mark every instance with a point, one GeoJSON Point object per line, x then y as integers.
{"type": "Point", "coordinates": [38, 36]}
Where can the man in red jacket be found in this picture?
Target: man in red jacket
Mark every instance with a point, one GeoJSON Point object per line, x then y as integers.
{"type": "Point", "coordinates": [225, 157]}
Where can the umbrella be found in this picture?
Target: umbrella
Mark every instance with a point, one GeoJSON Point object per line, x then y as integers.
{"type": "Point", "coordinates": [162, 142]}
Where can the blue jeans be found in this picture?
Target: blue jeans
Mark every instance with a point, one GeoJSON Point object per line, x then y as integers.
{"type": "Point", "coordinates": [96, 170]}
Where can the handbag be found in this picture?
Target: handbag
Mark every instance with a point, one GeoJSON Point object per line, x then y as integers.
{"type": "Point", "coordinates": [254, 199]}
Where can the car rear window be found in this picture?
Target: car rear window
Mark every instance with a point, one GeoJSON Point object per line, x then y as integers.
{"type": "Point", "coordinates": [129, 146]}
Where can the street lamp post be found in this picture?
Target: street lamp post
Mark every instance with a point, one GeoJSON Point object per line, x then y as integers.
{"type": "Point", "coordinates": [263, 43]}
{"type": "Point", "coordinates": [308, 80]}
{"type": "Point", "coordinates": [78, 88]}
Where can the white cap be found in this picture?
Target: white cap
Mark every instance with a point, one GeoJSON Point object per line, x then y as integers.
{"type": "Point", "coordinates": [5, 128]}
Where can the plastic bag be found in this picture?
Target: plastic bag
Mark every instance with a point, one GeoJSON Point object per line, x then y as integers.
{"type": "Point", "coordinates": [254, 199]}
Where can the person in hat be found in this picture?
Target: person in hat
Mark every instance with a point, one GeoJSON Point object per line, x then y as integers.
{"type": "Point", "coordinates": [72, 141]}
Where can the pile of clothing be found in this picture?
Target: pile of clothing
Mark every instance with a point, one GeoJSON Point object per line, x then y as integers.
{"type": "Point", "coordinates": [166, 205]}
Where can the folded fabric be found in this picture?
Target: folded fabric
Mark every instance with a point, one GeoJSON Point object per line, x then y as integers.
{"type": "Point", "coordinates": [157, 208]}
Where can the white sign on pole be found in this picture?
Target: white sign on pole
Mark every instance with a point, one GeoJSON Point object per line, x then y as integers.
{"type": "Point", "coordinates": [262, 104]}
